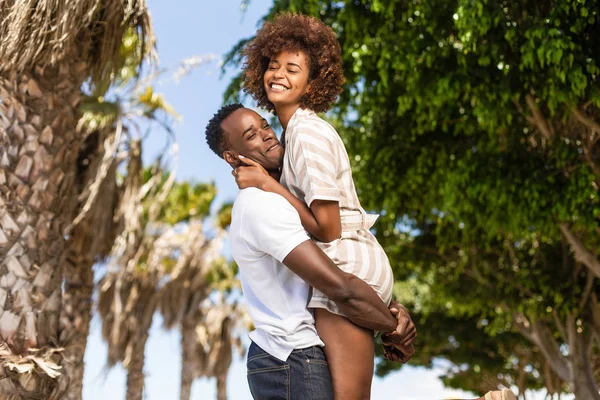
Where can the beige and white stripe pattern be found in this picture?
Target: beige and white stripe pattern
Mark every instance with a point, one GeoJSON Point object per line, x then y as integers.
{"type": "Point", "coordinates": [316, 166]}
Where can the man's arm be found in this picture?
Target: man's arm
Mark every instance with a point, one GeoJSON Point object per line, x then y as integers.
{"type": "Point", "coordinates": [352, 295]}
{"type": "Point", "coordinates": [272, 226]}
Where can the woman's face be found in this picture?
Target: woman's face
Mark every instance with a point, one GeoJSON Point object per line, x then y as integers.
{"type": "Point", "coordinates": [286, 78]}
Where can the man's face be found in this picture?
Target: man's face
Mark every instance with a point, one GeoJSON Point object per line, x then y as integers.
{"type": "Point", "coordinates": [250, 135]}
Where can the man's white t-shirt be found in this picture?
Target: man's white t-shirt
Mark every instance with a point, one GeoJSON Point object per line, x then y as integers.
{"type": "Point", "coordinates": [265, 228]}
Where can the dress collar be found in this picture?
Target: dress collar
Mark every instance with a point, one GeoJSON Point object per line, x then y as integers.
{"type": "Point", "coordinates": [300, 112]}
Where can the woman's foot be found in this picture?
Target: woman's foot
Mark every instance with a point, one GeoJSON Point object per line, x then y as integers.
{"type": "Point", "coordinates": [504, 394]}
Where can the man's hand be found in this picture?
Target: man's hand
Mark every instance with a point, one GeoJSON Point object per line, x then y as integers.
{"type": "Point", "coordinates": [399, 353]}
{"type": "Point", "coordinates": [398, 344]}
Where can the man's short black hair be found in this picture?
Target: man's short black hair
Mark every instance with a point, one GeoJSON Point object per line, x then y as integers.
{"type": "Point", "coordinates": [214, 133]}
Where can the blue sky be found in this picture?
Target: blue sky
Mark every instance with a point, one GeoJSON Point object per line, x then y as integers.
{"type": "Point", "coordinates": [187, 28]}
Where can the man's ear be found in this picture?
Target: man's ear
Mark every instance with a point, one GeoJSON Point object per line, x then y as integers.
{"type": "Point", "coordinates": [231, 159]}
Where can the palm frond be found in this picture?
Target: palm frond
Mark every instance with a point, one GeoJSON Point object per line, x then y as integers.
{"type": "Point", "coordinates": [188, 285]}
{"type": "Point", "coordinates": [189, 64]}
{"type": "Point", "coordinates": [217, 334]}
{"type": "Point", "coordinates": [44, 33]}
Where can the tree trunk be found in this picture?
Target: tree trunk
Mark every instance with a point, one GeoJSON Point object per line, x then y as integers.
{"type": "Point", "coordinates": [583, 391]}
{"type": "Point", "coordinates": [575, 369]}
{"type": "Point", "coordinates": [135, 368]}
{"type": "Point", "coordinates": [38, 148]}
{"type": "Point", "coordinates": [521, 380]}
{"type": "Point", "coordinates": [145, 305]}
{"type": "Point", "coordinates": [583, 384]}
{"type": "Point", "coordinates": [90, 239]}
{"type": "Point", "coordinates": [188, 364]}
{"type": "Point", "coordinates": [76, 312]}
{"type": "Point", "coordinates": [222, 387]}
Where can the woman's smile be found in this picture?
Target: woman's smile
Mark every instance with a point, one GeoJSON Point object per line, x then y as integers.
{"type": "Point", "coordinates": [286, 78]}
{"type": "Point", "coordinates": [277, 87]}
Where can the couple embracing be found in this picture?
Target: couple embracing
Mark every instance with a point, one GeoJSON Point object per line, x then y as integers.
{"type": "Point", "coordinates": [317, 283]}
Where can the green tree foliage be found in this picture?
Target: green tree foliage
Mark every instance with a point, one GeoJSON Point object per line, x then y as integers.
{"type": "Point", "coordinates": [473, 127]}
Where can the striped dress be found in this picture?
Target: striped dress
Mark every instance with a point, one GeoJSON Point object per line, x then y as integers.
{"type": "Point", "coordinates": [316, 166]}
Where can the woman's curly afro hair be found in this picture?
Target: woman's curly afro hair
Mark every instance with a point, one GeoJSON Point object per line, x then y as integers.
{"type": "Point", "coordinates": [296, 32]}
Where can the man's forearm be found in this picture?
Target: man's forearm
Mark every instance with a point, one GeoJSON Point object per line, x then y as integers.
{"type": "Point", "coordinates": [353, 296]}
{"type": "Point", "coordinates": [363, 306]}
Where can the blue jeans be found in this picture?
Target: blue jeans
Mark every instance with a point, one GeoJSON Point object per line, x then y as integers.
{"type": "Point", "coordinates": [304, 376]}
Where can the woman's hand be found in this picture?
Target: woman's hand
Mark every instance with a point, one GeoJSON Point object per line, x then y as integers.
{"type": "Point", "coordinates": [251, 175]}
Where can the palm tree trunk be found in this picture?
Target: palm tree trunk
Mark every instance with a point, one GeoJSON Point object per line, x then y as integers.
{"type": "Point", "coordinates": [91, 239]}
{"type": "Point", "coordinates": [135, 368]}
{"type": "Point", "coordinates": [136, 350]}
{"type": "Point", "coordinates": [222, 387]}
{"type": "Point", "coordinates": [76, 312]}
{"type": "Point", "coordinates": [38, 147]}
{"type": "Point", "coordinates": [188, 365]}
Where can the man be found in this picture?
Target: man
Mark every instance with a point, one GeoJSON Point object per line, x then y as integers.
{"type": "Point", "coordinates": [278, 262]}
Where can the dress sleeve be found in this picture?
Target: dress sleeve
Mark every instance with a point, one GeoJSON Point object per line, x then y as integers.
{"type": "Point", "coordinates": [314, 155]}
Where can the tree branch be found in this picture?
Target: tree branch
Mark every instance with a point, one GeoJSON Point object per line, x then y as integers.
{"type": "Point", "coordinates": [595, 128]}
{"type": "Point", "coordinates": [587, 291]}
{"type": "Point", "coordinates": [595, 313]}
{"type": "Point", "coordinates": [548, 378]}
{"type": "Point", "coordinates": [511, 251]}
{"type": "Point", "coordinates": [589, 155]}
{"type": "Point", "coordinates": [571, 334]}
{"type": "Point", "coordinates": [585, 120]}
{"type": "Point", "coordinates": [538, 119]}
{"type": "Point", "coordinates": [473, 273]}
{"type": "Point", "coordinates": [582, 254]}
{"type": "Point", "coordinates": [541, 336]}
{"type": "Point", "coordinates": [559, 325]}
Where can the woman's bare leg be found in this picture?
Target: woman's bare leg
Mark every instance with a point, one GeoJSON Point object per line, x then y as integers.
{"type": "Point", "coordinates": [350, 352]}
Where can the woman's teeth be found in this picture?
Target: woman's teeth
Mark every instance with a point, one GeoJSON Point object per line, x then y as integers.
{"type": "Point", "coordinates": [278, 87]}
